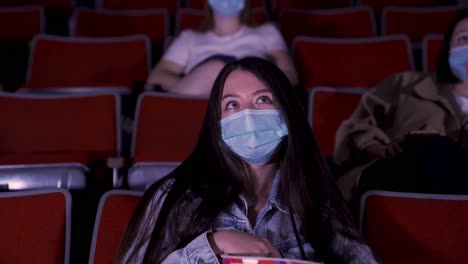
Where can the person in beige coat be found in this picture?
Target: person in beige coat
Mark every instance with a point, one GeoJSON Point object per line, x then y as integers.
{"type": "Point", "coordinates": [404, 103]}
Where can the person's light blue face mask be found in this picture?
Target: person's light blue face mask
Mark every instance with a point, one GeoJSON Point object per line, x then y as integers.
{"type": "Point", "coordinates": [254, 135]}
{"type": "Point", "coordinates": [457, 58]}
{"type": "Point", "coordinates": [227, 8]}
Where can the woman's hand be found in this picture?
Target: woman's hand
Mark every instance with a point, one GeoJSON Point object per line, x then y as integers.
{"type": "Point", "coordinates": [240, 243]}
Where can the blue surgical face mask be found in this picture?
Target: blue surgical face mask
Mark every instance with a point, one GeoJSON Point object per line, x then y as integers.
{"type": "Point", "coordinates": [458, 57]}
{"type": "Point", "coordinates": [254, 135]}
{"type": "Point", "coordinates": [227, 8]}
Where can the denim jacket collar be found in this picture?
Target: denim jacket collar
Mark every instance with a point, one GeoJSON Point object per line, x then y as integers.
{"type": "Point", "coordinates": [273, 197]}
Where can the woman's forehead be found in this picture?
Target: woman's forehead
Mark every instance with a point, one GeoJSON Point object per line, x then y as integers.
{"type": "Point", "coordinates": [242, 81]}
{"type": "Point", "coordinates": [461, 26]}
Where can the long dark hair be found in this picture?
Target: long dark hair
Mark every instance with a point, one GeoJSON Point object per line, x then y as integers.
{"type": "Point", "coordinates": [443, 71]}
{"type": "Point", "coordinates": [208, 21]}
{"type": "Point", "coordinates": [212, 177]}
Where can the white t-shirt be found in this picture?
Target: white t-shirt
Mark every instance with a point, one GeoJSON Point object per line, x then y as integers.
{"type": "Point", "coordinates": [190, 47]}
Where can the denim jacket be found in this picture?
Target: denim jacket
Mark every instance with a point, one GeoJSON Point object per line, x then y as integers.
{"type": "Point", "coordinates": [273, 222]}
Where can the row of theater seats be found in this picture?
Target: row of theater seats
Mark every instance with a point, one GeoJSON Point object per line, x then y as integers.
{"type": "Point", "coordinates": [70, 141]}
{"type": "Point", "coordinates": [62, 62]}
{"type": "Point", "coordinates": [400, 227]}
{"type": "Point", "coordinates": [81, 131]}
{"type": "Point", "coordinates": [66, 140]}
{"type": "Point", "coordinates": [341, 22]}
{"type": "Point", "coordinates": [273, 6]}
{"type": "Point", "coordinates": [94, 31]}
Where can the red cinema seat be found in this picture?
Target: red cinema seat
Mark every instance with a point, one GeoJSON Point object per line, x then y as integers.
{"type": "Point", "coordinates": [14, 42]}
{"type": "Point", "coordinates": [153, 23]}
{"type": "Point", "coordinates": [35, 226]}
{"type": "Point", "coordinates": [328, 107]}
{"type": "Point", "coordinates": [279, 5]}
{"type": "Point", "coordinates": [114, 212]}
{"type": "Point", "coordinates": [430, 51]}
{"type": "Point", "coordinates": [166, 131]}
{"type": "Point", "coordinates": [67, 62]}
{"type": "Point", "coordinates": [379, 5]}
{"type": "Point", "coordinates": [416, 22]}
{"type": "Point", "coordinates": [170, 5]}
{"type": "Point", "coordinates": [351, 22]}
{"type": "Point", "coordinates": [416, 227]}
{"type": "Point", "coordinates": [56, 140]}
{"type": "Point", "coordinates": [360, 62]}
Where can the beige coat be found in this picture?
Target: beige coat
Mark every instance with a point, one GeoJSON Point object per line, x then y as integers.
{"type": "Point", "coordinates": [400, 104]}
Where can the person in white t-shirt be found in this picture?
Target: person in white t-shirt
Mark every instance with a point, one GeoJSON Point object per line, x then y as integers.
{"type": "Point", "coordinates": [194, 59]}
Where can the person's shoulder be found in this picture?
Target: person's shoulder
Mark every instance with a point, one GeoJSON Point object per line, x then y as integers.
{"type": "Point", "coordinates": [412, 77]}
{"type": "Point", "coordinates": [266, 27]}
{"type": "Point", "coordinates": [187, 34]}
{"type": "Point", "coordinates": [406, 79]}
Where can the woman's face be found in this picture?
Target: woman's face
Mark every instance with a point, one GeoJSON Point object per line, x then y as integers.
{"type": "Point", "coordinates": [460, 34]}
{"type": "Point", "coordinates": [226, 8]}
{"type": "Point", "coordinates": [243, 90]}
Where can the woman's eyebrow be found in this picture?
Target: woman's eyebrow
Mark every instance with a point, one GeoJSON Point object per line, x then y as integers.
{"type": "Point", "coordinates": [229, 95]}
{"type": "Point", "coordinates": [262, 91]}
{"type": "Point", "coordinates": [465, 31]}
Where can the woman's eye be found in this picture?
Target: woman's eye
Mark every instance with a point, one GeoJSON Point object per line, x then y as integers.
{"type": "Point", "coordinates": [264, 100]}
{"type": "Point", "coordinates": [231, 105]}
{"type": "Point", "coordinates": [462, 39]}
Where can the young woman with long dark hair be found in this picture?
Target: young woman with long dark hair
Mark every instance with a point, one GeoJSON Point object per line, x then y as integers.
{"type": "Point", "coordinates": [255, 184]}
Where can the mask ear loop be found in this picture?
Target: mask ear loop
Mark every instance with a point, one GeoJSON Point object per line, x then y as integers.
{"type": "Point", "coordinates": [296, 234]}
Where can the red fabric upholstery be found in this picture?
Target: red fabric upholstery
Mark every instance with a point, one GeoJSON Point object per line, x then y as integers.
{"type": "Point", "coordinates": [153, 23]}
{"type": "Point", "coordinates": [193, 18]}
{"type": "Point", "coordinates": [42, 158]}
{"type": "Point", "coordinates": [167, 127]}
{"type": "Point", "coordinates": [417, 22]}
{"type": "Point", "coordinates": [170, 5]}
{"type": "Point", "coordinates": [431, 48]}
{"type": "Point", "coordinates": [78, 62]}
{"type": "Point", "coordinates": [350, 62]}
{"type": "Point", "coordinates": [51, 129]}
{"type": "Point", "coordinates": [28, 22]}
{"type": "Point", "coordinates": [378, 5]}
{"type": "Point", "coordinates": [422, 229]}
{"type": "Point", "coordinates": [116, 212]}
{"type": "Point", "coordinates": [278, 5]}
{"type": "Point", "coordinates": [58, 124]}
{"type": "Point", "coordinates": [329, 107]}
{"type": "Point", "coordinates": [32, 227]}
{"type": "Point", "coordinates": [339, 23]}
